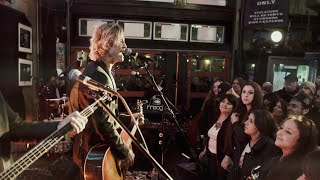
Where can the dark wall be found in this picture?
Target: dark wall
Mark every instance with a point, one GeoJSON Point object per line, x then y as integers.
{"type": "Point", "coordinates": [51, 22]}
{"type": "Point", "coordinates": [9, 54]}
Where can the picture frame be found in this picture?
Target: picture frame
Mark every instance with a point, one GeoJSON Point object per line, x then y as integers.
{"type": "Point", "coordinates": [25, 72]}
{"type": "Point", "coordinates": [24, 38]}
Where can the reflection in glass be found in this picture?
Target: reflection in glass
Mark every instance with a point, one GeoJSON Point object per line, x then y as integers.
{"type": "Point", "coordinates": [131, 63]}
{"type": "Point", "coordinates": [207, 63]}
{"type": "Point", "coordinates": [137, 83]}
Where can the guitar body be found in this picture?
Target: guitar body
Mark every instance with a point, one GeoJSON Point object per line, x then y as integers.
{"type": "Point", "coordinates": [101, 165]}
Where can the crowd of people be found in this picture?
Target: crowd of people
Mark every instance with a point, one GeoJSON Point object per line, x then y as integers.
{"type": "Point", "coordinates": [251, 131]}
{"type": "Point", "coordinates": [254, 132]}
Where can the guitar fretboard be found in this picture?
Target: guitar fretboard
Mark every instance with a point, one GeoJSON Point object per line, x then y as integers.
{"type": "Point", "coordinates": [44, 146]}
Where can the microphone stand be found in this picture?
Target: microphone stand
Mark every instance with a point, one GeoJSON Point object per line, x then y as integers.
{"type": "Point", "coordinates": [69, 67]}
{"type": "Point", "coordinates": [167, 102]}
{"type": "Point", "coordinates": [135, 141]}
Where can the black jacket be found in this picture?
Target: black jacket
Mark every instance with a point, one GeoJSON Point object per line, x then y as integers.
{"type": "Point", "coordinates": [261, 152]}
{"type": "Point", "coordinates": [100, 127]}
{"type": "Point", "coordinates": [283, 94]}
{"type": "Point", "coordinates": [286, 169]}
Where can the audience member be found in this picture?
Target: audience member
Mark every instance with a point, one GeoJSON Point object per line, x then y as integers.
{"type": "Point", "coordinates": [280, 111]}
{"type": "Point", "coordinates": [299, 104]}
{"type": "Point", "coordinates": [291, 87]}
{"type": "Point", "coordinates": [308, 88]}
{"type": "Point", "coordinates": [261, 128]}
{"type": "Point", "coordinates": [266, 88]}
{"type": "Point", "coordinates": [314, 115]}
{"type": "Point", "coordinates": [251, 98]}
{"type": "Point", "coordinates": [269, 101]}
{"type": "Point", "coordinates": [213, 92]}
{"type": "Point", "coordinates": [213, 157]}
{"type": "Point", "coordinates": [296, 137]}
{"type": "Point", "coordinates": [237, 84]}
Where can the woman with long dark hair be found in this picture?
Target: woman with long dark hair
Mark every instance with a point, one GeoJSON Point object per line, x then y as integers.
{"type": "Point", "coordinates": [296, 137]}
{"type": "Point", "coordinates": [261, 128]}
{"type": "Point", "coordinates": [250, 99]}
{"type": "Point", "coordinates": [215, 152]}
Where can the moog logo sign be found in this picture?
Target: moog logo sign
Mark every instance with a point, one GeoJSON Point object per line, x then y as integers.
{"type": "Point", "coordinates": [155, 103]}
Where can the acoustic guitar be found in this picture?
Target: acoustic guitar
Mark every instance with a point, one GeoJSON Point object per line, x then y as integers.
{"type": "Point", "coordinates": [101, 164]}
{"type": "Point", "coordinates": [44, 146]}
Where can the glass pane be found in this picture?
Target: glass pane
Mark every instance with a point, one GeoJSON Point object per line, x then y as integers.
{"type": "Point", "coordinates": [129, 83]}
{"type": "Point", "coordinates": [207, 34]}
{"type": "Point", "coordinates": [136, 29]}
{"type": "Point", "coordinates": [170, 31]}
{"type": "Point", "coordinates": [131, 63]}
{"type": "Point", "coordinates": [87, 26]}
{"type": "Point", "coordinates": [158, 61]}
{"type": "Point", "coordinates": [137, 83]}
{"type": "Point", "coordinates": [207, 63]}
{"type": "Point", "coordinates": [201, 84]}
{"type": "Point", "coordinates": [281, 70]}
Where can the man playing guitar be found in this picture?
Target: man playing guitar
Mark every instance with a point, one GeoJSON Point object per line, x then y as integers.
{"type": "Point", "coordinates": [106, 47]}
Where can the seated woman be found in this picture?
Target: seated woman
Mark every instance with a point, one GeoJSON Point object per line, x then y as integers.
{"type": "Point", "coordinates": [296, 137]}
{"type": "Point", "coordinates": [214, 153]}
{"type": "Point", "coordinates": [261, 128]}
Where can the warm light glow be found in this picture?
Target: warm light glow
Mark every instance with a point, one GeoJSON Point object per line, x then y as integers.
{"type": "Point", "coordinates": [207, 62]}
{"type": "Point", "coordinates": [276, 36]}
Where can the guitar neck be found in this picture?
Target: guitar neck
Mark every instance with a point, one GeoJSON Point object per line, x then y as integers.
{"type": "Point", "coordinates": [44, 146]}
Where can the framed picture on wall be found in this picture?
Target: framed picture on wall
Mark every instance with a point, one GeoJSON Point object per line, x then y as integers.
{"type": "Point", "coordinates": [24, 38]}
{"type": "Point", "coordinates": [25, 72]}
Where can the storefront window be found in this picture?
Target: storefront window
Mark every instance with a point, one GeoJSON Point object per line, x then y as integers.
{"type": "Point", "coordinates": [207, 63]}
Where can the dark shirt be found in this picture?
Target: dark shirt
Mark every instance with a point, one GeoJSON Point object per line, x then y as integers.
{"type": "Point", "coordinates": [14, 128]}
{"type": "Point", "coordinates": [283, 94]}
{"type": "Point", "coordinates": [314, 115]}
{"type": "Point", "coordinates": [260, 154]}
{"type": "Point", "coordinates": [286, 169]}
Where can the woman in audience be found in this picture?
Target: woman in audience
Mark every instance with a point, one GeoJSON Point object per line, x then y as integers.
{"type": "Point", "coordinates": [250, 99]}
{"type": "Point", "coordinates": [280, 111]}
{"type": "Point", "coordinates": [237, 84]}
{"type": "Point", "coordinates": [296, 137]}
{"type": "Point", "coordinates": [261, 128]}
{"type": "Point", "coordinates": [215, 152]}
{"type": "Point", "coordinates": [213, 92]}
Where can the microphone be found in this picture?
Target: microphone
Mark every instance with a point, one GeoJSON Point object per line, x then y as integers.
{"type": "Point", "coordinates": [76, 75]}
{"type": "Point", "coordinates": [129, 52]}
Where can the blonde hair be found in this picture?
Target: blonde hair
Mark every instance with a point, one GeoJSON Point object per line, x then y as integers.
{"type": "Point", "coordinates": [103, 38]}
